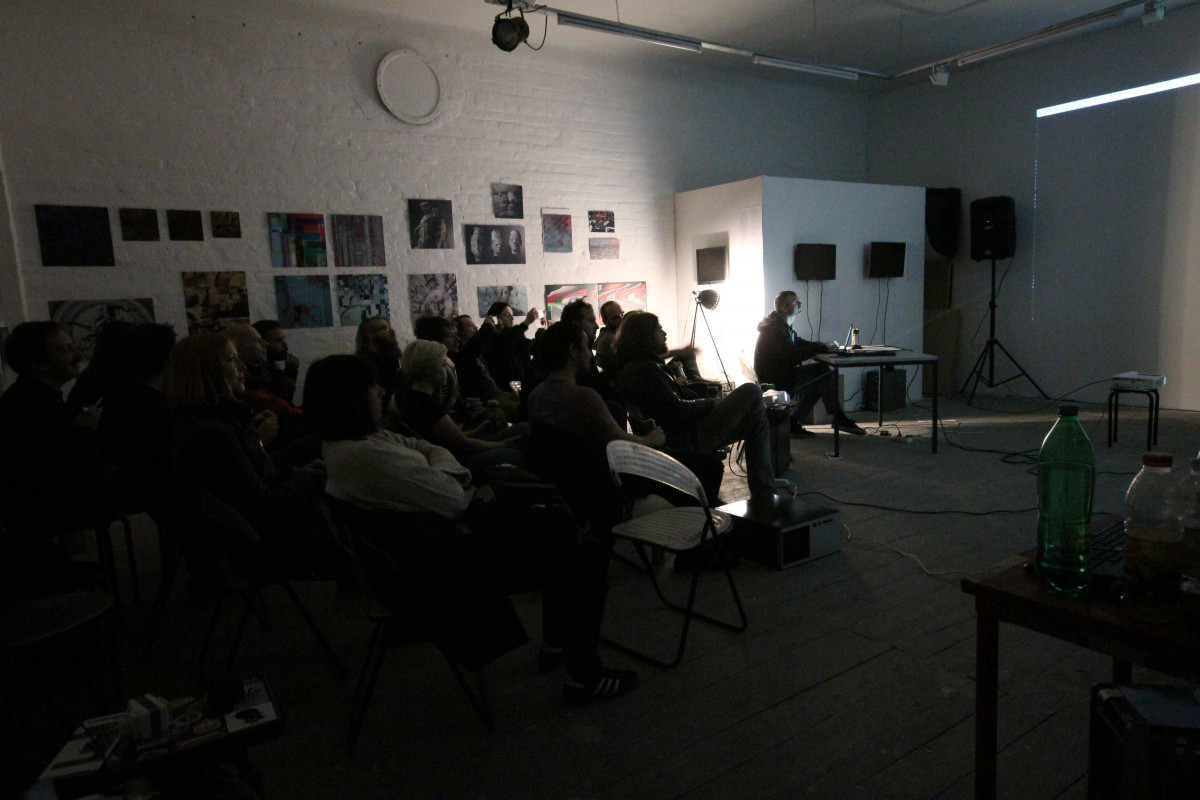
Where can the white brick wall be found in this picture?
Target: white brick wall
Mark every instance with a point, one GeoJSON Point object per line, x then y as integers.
{"type": "Point", "coordinates": [205, 105]}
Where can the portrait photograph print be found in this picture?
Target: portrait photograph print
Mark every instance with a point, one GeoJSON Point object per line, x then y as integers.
{"type": "Point", "coordinates": [431, 224]}
{"type": "Point", "coordinates": [507, 201]}
{"type": "Point", "coordinates": [495, 244]}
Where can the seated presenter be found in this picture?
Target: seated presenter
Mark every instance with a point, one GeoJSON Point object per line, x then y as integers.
{"type": "Point", "coordinates": [779, 358]}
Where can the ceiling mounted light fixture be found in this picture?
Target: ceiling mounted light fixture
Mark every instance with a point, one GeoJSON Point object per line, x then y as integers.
{"type": "Point", "coordinates": [631, 31]}
{"type": "Point", "coordinates": [508, 31]}
{"type": "Point", "coordinates": [940, 76]}
{"type": "Point", "coordinates": [804, 66]}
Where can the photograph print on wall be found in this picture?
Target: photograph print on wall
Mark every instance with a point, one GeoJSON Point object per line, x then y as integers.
{"type": "Point", "coordinates": [507, 201]}
{"type": "Point", "coordinates": [495, 244]}
{"type": "Point", "coordinates": [431, 224]}
{"type": "Point", "coordinates": [83, 319]}
{"type": "Point", "coordinates": [556, 232]}
{"type": "Point", "coordinates": [225, 224]}
{"type": "Point", "coordinates": [297, 240]}
{"type": "Point", "coordinates": [358, 240]}
{"type": "Point", "coordinates": [138, 224]}
{"type": "Point", "coordinates": [433, 295]}
{"type": "Point", "coordinates": [515, 296]}
{"type": "Point", "coordinates": [559, 295]}
{"type": "Point", "coordinates": [631, 296]}
{"type": "Point", "coordinates": [302, 301]}
{"type": "Point", "coordinates": [74, 236]}
{"type": "Point", "coordinates": [361, 297]}
{"type": "Point", "coordinates": [601, 222]}
{"type": "Point", "coordinates": [215, 300]}
{"type": "Point", "coordinates": [604, 247]}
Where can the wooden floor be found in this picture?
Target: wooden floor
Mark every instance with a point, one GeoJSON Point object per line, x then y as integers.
{"type": "Point", "coordinates": [854, 680]}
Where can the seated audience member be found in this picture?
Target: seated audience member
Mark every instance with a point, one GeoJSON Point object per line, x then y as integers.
{"type": "Point", "coordinates": [779, 357]}
{"type": "Point", "coordinates": [50, 476]}
{"type": "Point", "coordinates": [440, 329]}
{"type": "Point", "coordinates": [283, 368]}
{"type": "Point", "coordinates": [692, 422]}
{"type": "Point", "coordinates": [103, 371]}
{"type": "Point", "coordinates": [216, 447]}
{"type": "Point", "coordinates": [424, 364]}
{"type": "Point", "coordinates": [135, 430]}
{"type": "Point", "coordinates": [610, 314]}
{"type": "Point", "coordinates": [280, 424]}
{"type": "Point", "coordinates": [509, 352]}
{"type": "Point", "coordinates": [376, 341]}
{"type": "Point", "coordinates": [474, 379]}
{"type": "Point", "coordinates": [581, 313]}
{"type": "Point", "coordinates": [376, 469]}
{"type": "Point", "coordinates": [571, 425]}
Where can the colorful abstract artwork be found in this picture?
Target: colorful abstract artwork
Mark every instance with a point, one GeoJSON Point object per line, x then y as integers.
{"type": "Point", "coordinates": [604, 247]}
{"type": "Point", "coordinates": [360, 297]}
{"type": "Point", "coordinates": [433, 295]}
{"type": "Point", "coordinates": [84, 319]}
{"type": "Point", "coordinates": [297, 240]}
{"type": "Point", "coordinates": [515, 296]}
{"type": "Point", "coordinates": [358, 240]}
{"type": "Point", "coordinates": [559, 295]}
{"type": "Point", "coordinates": [631, 296]}
{"type": "Point", "coordinates": [556, 233]}
{"type": "Point", "coordinates": [74, 236]}
{"type": "Point", "coordinates": [214, 300]}
{"type": "Point", "coordinates": [302, 301]}
{"type": "Point", "coordinates": [431, 224]}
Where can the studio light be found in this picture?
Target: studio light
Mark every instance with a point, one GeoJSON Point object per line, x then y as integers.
{"type": "Point", "coordinates": [940, 76]}
{"type": "Point", "coordinates": [709, 299]}
{"type": "Point", "coordinates": [509, 31]}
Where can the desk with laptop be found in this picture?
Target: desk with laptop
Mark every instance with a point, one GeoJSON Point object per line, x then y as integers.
{"type": "Point", "coordinates": [879, 355]}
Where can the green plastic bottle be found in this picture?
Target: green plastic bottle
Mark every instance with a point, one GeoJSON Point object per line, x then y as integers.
{"type": "Point", "coordinates": [1066, 478]}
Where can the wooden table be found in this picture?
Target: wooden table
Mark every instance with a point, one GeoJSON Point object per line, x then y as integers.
{"type": "Point", "coordinates": [897, 359]}
{"type": "Point", "coordinates": [1153, 634]}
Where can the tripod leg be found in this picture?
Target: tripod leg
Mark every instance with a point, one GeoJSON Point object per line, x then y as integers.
{"type": "Point", "coordinates": [1021, 370]}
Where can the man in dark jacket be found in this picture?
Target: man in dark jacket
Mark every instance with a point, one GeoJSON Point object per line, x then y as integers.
{"type": "Point", "coordinates": [779, 358]}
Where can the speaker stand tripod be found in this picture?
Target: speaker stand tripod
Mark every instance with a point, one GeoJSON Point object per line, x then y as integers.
{"type": "Point", "coordinates": [988, 356]}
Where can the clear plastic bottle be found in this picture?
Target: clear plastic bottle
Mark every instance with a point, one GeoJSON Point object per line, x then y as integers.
{"type": "Point", "coordinates": [1187, 506]}
{"type": "Point", "coordinates": [1066, 479]}
{"type": "Point", "coordinates": [1153, 534]}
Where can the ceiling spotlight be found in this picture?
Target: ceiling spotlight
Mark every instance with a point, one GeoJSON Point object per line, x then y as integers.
{"type": "Point", "coordinates": [509, 31]}
{"type": "Point", "coordinates": [940, 76]}
{"type": "Point", "coordinates": [1152, 13]}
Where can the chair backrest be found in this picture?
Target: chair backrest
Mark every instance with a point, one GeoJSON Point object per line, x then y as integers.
{"type": "Point", "coordinates": [631, 458]}
{"type": "Point", "coordinates": [233, 540]}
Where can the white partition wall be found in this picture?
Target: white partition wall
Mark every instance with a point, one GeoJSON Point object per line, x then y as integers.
{"type": "Point", "coordinates": [764, 218]}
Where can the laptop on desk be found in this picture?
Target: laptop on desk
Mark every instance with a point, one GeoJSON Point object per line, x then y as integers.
{"type": "Point", "coordinates": [846, 350]}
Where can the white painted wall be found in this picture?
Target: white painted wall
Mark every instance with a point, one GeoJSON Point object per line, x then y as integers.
{"type": "Point", "coordinates": [1107, 268]}
{"type": "Point", "coordinates": [271, 106]}
{"type": "Point", "coordinates": [764, 219]}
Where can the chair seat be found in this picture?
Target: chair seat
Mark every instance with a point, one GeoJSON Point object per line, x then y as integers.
{"type": "Point", "coordinates": [672, 529]}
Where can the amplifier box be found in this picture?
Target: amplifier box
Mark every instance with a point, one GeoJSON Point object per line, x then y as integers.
{"type": "Point", "coordinates": [786, 533]}
{"type": "Point", "coordinates": [892, 396]}
{"type": "Point", "coordinates": [1144, 742]}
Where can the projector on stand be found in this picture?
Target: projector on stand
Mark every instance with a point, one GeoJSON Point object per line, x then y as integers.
{"type": "Point", "coordinates": [1138, 381]}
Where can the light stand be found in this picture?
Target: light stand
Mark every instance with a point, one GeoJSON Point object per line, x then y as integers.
{"type": "Point", "coordinates": [989, 355]}
{"type": "Point", "coordinates": [708, 299]}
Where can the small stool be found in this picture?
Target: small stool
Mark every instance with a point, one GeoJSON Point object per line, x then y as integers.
{"type": "Point", "coordinates": [1114, 396]}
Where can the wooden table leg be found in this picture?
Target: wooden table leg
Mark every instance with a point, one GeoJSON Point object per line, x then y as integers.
{"type": "Point", "coordinates": [987, 651]}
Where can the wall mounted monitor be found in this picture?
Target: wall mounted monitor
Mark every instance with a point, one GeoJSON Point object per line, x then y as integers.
{"type": "Point", "coordinates": [815, 262]}
{"type": "Point", "coordinates": [886, 260]}
{"type": "Point", "coordinates": [712, 264]}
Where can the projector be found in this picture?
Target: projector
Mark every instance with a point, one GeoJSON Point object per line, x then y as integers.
{"type": "Point", "coordinates": [1138, 381]}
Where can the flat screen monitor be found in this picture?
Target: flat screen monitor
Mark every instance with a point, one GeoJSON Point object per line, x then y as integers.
{"type": "Point", "coordinates": [886, 260]}
{"type": "Point", "coordinates": [815, 262]}
{"type": "Point", "coordinates": [712, 265]}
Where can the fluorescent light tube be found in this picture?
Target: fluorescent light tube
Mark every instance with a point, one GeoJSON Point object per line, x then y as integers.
{"type": "Point", "coordinates": [804, 66]}
{"type": "Point", "coordinates": [632, 31]}
{"type": "Point", "coordinates": [1124, 94]}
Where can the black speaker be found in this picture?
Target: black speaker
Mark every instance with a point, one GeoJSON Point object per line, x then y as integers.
{"type": "Point", "coordinates": [993, 228]}
{"type": "Point", "coordinates": [943, 212]}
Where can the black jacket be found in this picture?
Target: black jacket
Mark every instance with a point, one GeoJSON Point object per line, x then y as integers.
{"type": "Point", "coordinates": [779, 352]}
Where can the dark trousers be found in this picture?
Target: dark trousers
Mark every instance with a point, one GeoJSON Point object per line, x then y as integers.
{"type": "Point", "coordinates": [815, 381]}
